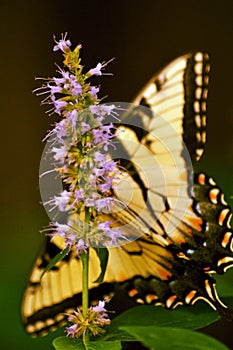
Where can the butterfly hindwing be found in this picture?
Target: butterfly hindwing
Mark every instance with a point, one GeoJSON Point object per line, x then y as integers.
{"type": "Point", "coordinates": [207, 247]}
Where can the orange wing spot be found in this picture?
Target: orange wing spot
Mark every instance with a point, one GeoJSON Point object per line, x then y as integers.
{"type": "Point", "coordinates": [190, 296]}
{"type": "Point", "coordinates": [132, 293]}
{"type": "Point", "coordinates": [226, 260]}
{"type": "Point", "coordinates": [222, 216]}
{"type": "Point", "coordinates": [213, 195]}
{"type": "Point", "coordinates": [206, 268]}
{"type": "Point", "coordinates": [182, 255]}
{"type": "Point", "coordinates": [196, 223]}
{"type": "Point", "coordinates": [164, 274]}
{"type": "Point", "coordinates": [150, 298]}
{"type": "Point", "coordinates": [188, 232]}
{"type": "Point", "coordinates": [226, 239]}
{"type": "Point", "coordinates": [170, 301]}
{"type": "Point", "coordinates": [122, 277]}
{"type": "Point", "coordinates": [179, 240]}
{"type": "Point", "coordinates": [201, 179]}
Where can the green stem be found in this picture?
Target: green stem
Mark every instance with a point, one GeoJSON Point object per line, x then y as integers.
{"type": "Point", "coordinates": [85, 338]}
{"type": "Point", "coordinates": [85, 275]}
{"type": "Point", "coordinates": [85, 260]}
{"type": "Point", "coordinates": [85, 263]}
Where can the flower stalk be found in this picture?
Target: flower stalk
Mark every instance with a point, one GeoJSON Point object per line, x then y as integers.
{"type": "Point", "coordinates": [85, 263]}
{"type": "Point", "coordinates": [85, 275]}
{"type": "Point", "coordinates": [85, 294]}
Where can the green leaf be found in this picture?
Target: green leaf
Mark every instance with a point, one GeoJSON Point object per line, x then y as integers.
{"type": "Point", "coordinates": [102, 254]}
{"type": "Point", "coordinates": [55, 260]}
{"type": "Point", "coordinates": [164, 338]}
{"type": "Point", "coordinates": [65, 343]}
{"type": "Point", "coordinates": [103, 345]}
{"type": "Point", "coordinates": [224, 283]}
{"type": "Point", "coordinates": [194, 317]}
{"type": "Point", "coordinates": [117, 334]}
{"type": "Point", "coordinates": [228, 301]}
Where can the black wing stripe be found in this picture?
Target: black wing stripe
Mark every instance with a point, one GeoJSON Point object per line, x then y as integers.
{"type": "Point", "coordinates": [189, 123]}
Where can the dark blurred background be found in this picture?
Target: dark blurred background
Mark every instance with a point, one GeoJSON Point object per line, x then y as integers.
{"type": "Point", "coordinates": [143, 36]}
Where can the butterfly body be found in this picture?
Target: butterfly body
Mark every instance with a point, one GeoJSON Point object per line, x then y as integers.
{"type": "Point", "coordinates": [180, 218]}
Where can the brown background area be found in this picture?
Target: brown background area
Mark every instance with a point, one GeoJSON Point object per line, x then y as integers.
{"type": "Point", "coordinates": [143, 36]}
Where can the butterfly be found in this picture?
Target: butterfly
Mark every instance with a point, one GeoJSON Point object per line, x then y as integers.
{"type": "Point", "coordinates": [180, 216]}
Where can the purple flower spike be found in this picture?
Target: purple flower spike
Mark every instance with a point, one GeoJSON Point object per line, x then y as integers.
{"type": "Point", "coordinates": [79, 145]}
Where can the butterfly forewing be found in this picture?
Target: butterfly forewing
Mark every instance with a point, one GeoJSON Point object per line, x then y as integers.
{"type": "Point", "coordinates": [179, 94]}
